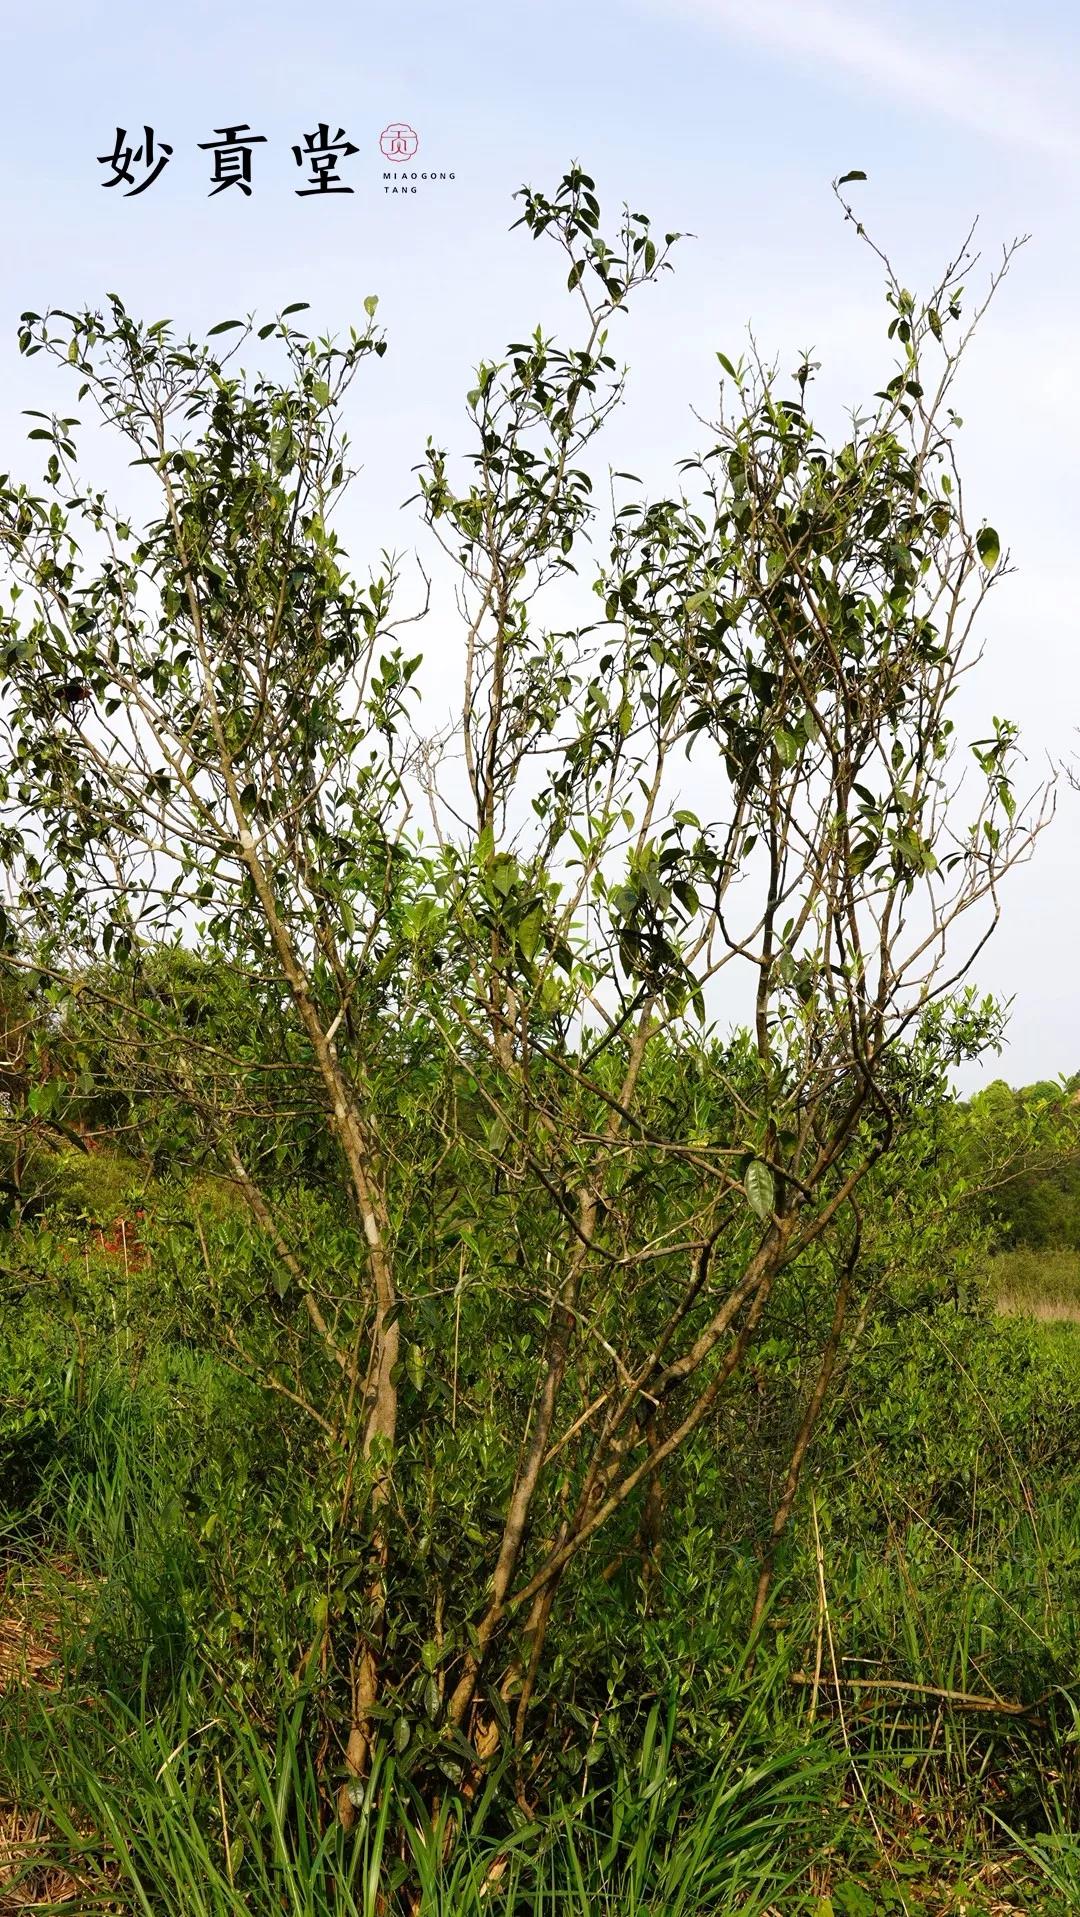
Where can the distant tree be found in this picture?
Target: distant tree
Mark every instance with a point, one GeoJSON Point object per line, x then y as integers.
{"type": "Point", "coordinates": [1021, 1152]}
{"type": "Point", "coordinates": [499, 1028]}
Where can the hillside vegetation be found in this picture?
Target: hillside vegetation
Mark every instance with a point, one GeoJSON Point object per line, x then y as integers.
{"type": "Point", "coordinates": [477, 1431]}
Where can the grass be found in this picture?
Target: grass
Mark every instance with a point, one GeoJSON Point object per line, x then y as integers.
{"type": "Point", "coordinates": [1044, 1285]}
{"type": "Point", "coordinates": [135, 1776]}
{"type": "Point", "coordinates": [138, 1776]}
{"type": "Point", "coordinates": [201, 1819]}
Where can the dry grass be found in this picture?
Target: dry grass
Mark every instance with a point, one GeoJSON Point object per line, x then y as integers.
{"type": "Point", "coordinates": [25, 1883]}
{"type": "Point", "coordinates": [1044, 1285]}
{"type": "Point", "coordinates": [1045, 1311]}
{"type": "Point", "coordinates": [40, 1606]}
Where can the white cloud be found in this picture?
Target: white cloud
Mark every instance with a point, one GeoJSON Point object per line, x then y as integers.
{"type": "Point", "coordinates": [982, 89]}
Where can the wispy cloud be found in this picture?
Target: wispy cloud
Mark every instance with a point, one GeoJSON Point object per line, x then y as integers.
{"type": "Point", "coordinates": [987, 90]}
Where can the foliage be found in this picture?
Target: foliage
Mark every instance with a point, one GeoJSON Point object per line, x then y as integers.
{"type": "Point", "coordinates": [184, 1503]}
{"type": "Point", "coordinates": [515, 1292]}
{"type": "Point", "coordinates": [1023, 1147]}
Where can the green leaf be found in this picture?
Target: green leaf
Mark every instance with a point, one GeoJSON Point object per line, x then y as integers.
{"type": "Point", "coordinates": [223, 326]}
{"type": "Point", "coordinates": [44, 1099]}
{"type": "Point", "coordinates": [528, 933]}
{"type": "Point", "coordinates": [856, 174]}
{"type": "Point", "coordinates": [370, 304]}
{"type": "Point", "coordinates": [760, 1189]}
{"type": "Point", "coordinates": [298, 306]}
{"type": "Point", "coordinates": [988, 546]}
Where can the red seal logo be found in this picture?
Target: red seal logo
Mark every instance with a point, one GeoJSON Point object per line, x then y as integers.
{"type": "Point", "coordinates": [398, 142]}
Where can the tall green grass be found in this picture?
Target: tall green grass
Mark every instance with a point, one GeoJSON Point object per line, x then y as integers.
{"type": "Point", "coordinates": [159, 1813]}
{"type": "Point", "coordinates": [947, 1496]}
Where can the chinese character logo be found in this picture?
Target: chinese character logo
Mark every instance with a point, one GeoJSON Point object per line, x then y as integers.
{"type": "Point", "coordinates": [232, 157]}
{"type": "Point", "coordinates": [322, 154]}
{"type": "Point", "coordinates": [398, 141]}
{"type": "Point", "coordinates": [123, 158]}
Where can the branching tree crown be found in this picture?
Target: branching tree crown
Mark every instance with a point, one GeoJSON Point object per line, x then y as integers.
{"type": "Point", "coordinates": [210, 743]}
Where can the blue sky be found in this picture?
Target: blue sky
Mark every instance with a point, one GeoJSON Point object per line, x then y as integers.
{"type": "Point", "coordinates": [724, 118]}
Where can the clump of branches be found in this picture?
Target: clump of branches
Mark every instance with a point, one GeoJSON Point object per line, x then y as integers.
{"type": "Point", "coordinates": [506, 1020]}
